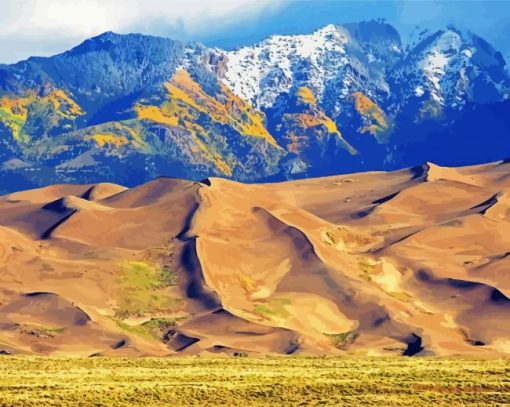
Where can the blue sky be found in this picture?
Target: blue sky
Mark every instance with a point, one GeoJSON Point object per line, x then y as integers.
{"type": "Point", "coordinates": [45, 27]}
{"type": "Point", "coordinates": [490, 19]}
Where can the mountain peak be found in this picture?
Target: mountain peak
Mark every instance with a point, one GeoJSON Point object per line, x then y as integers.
{"type": "Point", "coordinates": [109, 39]}
{"type": "Point", "coordinates": [290, 104]}
{"type": "Point", "coordinates": [106, 35]}
{"type": "Point", "coordinates": [327, 30]}
{"type": "Point", "coordinates": [451, 67]}
{"type": "Point", "coordinates": [374, 30]}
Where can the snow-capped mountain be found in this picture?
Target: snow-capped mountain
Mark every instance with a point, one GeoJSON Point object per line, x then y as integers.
{"type": "Point", "coordinates": [333, 62]}
{"type": "Point", "coordinates": [127, 108]}
{"type": "Point", "coordinates": [261, 73]}
{"type": "Point", "coordinates": [450, 68]}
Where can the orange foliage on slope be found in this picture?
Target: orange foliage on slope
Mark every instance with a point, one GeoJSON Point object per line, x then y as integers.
{"type": "Point", "coordinates": [108, 139]}
{"type": "Point", "coordinates": [187, 101]}
{"type": "Point", "coordinates": [372, 113]}
{"type": "Point", "coordinates": [15, 110]}
{"type": "Point", "coordinates": [116, 135]}
{"type": "Point", "coordinates": [233, 111]}
{"type": "Point", "coordinates": [14, 114]}
{"type": "Point", "coordinates": [64, 104]}
{"type": "Point", "coordinates": [305, 95]}
{"type": "Point", "coordinates": [155, 114]}
{"type": "Point", "coordinates": [310, 120]}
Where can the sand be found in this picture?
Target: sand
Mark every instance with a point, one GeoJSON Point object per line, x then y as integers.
{"type": "Point", "coordinates": [410, 262]}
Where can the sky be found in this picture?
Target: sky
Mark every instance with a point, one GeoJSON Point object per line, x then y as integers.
{"type": "Point", "coordinates": [46, 27]}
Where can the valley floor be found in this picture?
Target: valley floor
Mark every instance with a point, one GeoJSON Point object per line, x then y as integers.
{"type": "Point", "coordinates": [242, 381]}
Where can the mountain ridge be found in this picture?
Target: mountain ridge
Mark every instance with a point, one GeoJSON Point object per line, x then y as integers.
{"type": "Point", "coordinates": [375, 93]}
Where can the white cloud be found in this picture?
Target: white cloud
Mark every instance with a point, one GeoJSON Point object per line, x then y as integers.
{"type": "Point", "coordinates": [53, 25]}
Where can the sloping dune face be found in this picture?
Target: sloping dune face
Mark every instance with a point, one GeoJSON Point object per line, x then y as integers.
{"type": "Point", "coordinates": [413, 262]}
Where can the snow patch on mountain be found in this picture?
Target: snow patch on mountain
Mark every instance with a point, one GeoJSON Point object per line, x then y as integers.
{"type": "Point", "coordinates": [262, 72]}
{"type": "Point", "coordinates": [436, 60]}
{"type": "Point", "coordinates": [451, 68]}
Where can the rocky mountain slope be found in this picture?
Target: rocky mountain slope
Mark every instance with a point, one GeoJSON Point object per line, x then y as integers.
{"type": "Point", "coordinates": [412, 262]}
{"type": "Point", "coordinates": [128, 108]}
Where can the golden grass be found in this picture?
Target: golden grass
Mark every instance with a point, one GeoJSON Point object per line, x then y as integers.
{"type": "Point", "coordinates": [31, 381]}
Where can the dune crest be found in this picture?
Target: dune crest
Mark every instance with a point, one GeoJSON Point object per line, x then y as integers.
{"type": "Point", "coordinates": [411, 262]}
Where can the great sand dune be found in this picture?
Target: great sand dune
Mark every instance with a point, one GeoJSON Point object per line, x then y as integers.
{"type": "Point", "coordinates": [412, 262]}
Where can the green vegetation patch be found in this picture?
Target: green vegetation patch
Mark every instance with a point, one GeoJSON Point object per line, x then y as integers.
{"type": "Point", "coordinates": [343, 340]}
{"type": "Point", "coordinates": [401, 296]}
{"type": "Point", "coordinates": [367, 267]}
{"type": "Point", "coordinates": [141, 290]}
{"type": "Point", "coordinates": [13, 122]}
{"type": "Point", "coordinates": [273, 308]}
{"type": "Point", "coordinates": [160, 324]}
{"type": "Point", "coordinates": [154, 328]}
{"type": "Point", "coordinates": [138, 330]}
{"type": "Point", "coordinates": [40, 331]}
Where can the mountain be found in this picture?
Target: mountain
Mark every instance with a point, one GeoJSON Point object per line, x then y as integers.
{"type": "Point", "coordinates": [448, 69]}
{"type": "Point", "coordinates": [129, 108]}
{"type": "Point", "coordinates": [411, 262]}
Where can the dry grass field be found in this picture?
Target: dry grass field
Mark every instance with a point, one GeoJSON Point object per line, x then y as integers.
{"type": "Point", "coordinates": [204, 381]}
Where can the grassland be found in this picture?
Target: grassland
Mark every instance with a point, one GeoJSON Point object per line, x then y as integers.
{"type": "Point", "coordinates": [31, 381]}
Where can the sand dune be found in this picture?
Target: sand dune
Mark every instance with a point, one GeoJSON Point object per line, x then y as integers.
{"type": "Point", "coordinates": [413, 262]}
